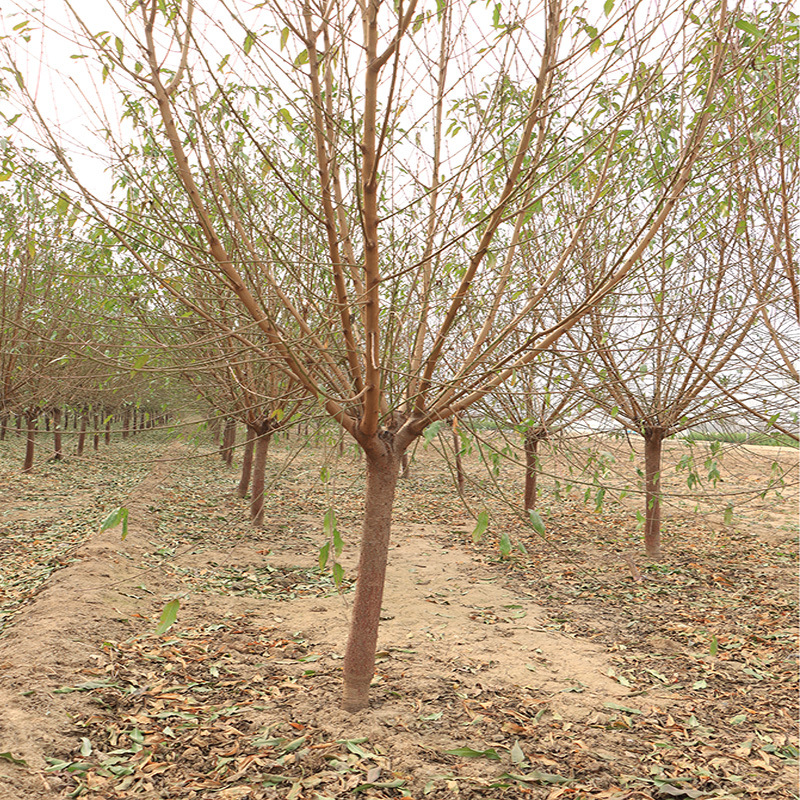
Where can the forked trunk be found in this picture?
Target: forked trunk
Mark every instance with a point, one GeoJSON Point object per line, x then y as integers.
{"type": "Point", "coordinates": [247, 462]}
{"type": "Point", "coordinates": [359, 659]}
{"type": "Point", "coordinates": [30, 440]}
{"type": "Point", "coordinates": [82, 434]}
{"type": "Point", "coordinates": [532, 439]}
{"type": "Point", "coordinates": [653, 439]}
{"type": "Point", "coordinates": [58, 453]}
{"type": "Point", "coordinates": [259, 468]}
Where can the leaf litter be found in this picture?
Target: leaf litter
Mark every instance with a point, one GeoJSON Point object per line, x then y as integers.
{"type": "Point", "coordinates": [705, 646]}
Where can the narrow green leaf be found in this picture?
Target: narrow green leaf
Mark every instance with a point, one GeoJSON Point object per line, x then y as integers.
{"type": "Point", "coordinates": [536, 521]}
{"type": "Point", "coordinates": [284, 37]}
{"type": "Point", "coordinates": [748, 27]}
{"type": "Point", "coordinates": [249, 41]}
{"type": "Point", "coordinates": [324, 552]}
{"type": "Point", "coordinates": [481, 525]}
{"type": "Point", "coordinates": [505, 545]}
{"type": "Point", "coordinates": [18, 761]}
{"type": "Point", "coordinates": [468, 752]}
{"type": "Point", "coordinates": [712, 649]}
{"type": "Point", "coordinates": [338, 574]}
{"type": "Point", "coordinates": [168, 617]}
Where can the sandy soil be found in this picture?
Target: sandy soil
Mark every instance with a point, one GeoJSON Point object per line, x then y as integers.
{"type": "Point", "coordinates": [464, 633]}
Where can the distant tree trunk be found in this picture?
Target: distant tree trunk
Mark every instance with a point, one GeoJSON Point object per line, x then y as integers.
{"type": "Point", "coordinates": [47, 422]}
{"type": "Point", "coordinates": [247, 463]}
{"type": "Point", "coordinates": [66, 418]}
{"type": "Point", "coordinates": [82, 432]}
{"type": "Point", "coordinates": [653, 439]}
{"type": "Point", "coordinates": [460, 477]}
{"type": "Point", "coordinates": [75, 420]}
{"type": "Point", "coordinates": [126, 422]}
{"type": "Point", "coordinates": [96, 434]}
{"type": "Point", "coordinates": [359, 662]}
{"type": "Point", "coordinates": [259, 469]}
{"type": "Point", "coordinates": [108, 429]}
{"type": "Point", "coordinates": [214, 427]}
{"type": "Point", "coordinates": [32, 419]}
{"type": "Point", "coordinates": [3, 426]}
{"type": "Point", "coordinates": [58, 453]}
{"type": "Point", "coordinates": [228, 441]}
{"type": "Point", "coordinates": [19, 424]}
{"type": "Point", "coordinates": [532, 439]}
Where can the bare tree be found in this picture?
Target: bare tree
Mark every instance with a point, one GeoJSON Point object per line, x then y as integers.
{"type": "Point", "coordinates": [357, 272]}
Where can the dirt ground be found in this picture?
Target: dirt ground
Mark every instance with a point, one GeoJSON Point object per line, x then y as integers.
{"type": "Point", "coordinates": [568, 665]}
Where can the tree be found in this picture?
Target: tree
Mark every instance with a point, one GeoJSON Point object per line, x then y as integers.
{"type": "Point", "coordinates": [356, 274]}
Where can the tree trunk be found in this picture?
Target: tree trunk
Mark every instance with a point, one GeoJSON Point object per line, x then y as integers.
{"type": "Point", "coordinates": [228, 441]}
{"type": "Point", "coordinates": [66, 419]}
{"type": "Point", "coordinates": [359, 660]}
{"type": "Point", "coordinates": [214, 426]}
{"type": "Point", "coordinates": [58, 453]}
{"type": "Point", "coordinates": [19, 424]}
{"type": "Point", "coordinates": [47, 422]}
{"type": "Point", "coordinates": [3, 426]}
{"type": "Point", "coordinates": [82, 434]}
{"type": "Point", "coordinates": [460, 477]}
{"type": "Point", "coordinates": [126, 422]}
{"type": "Point", "coordinates": [259, 468]}
{"type": "Point", "coordinates": [32, 419]}
{"type": "Point", "coordinates": [247, 462]}
{"type": "Point", "coordinates": [108, 430]}
{"type": "Point", "coordinates": [96, 434]}
{"type": "Point", "coordinates": [532, 439]}
{"type": "Point", "coordinates": [653, 439]}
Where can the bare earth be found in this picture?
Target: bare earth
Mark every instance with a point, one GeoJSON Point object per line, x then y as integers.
{"type": "Point", "coordinates": [575, 669]}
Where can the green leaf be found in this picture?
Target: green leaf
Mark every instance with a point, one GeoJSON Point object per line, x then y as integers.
{"type": "Point", "coordinates": [738, 719]}
{"type": "Point", "coordinates": [284, 37]}
{"type": "Point", "coordinates": [626, 709]}
{"type": "Point", "coordinates": [302, 58]}
{"type": "Point", "coordinates": [249, 41]}
{"type": "Point", "coordinates": [505, 545]}
{"type": "Point", "coordinates": [117, 516]}
{"type": "Point", "coordinates": [517, 756]}
{"type": "Point", "coordinates": [168, 617]}
{"type": "Point", "coordinates": [481, 525]}
{"type": "Point", "coordinates": [395, 784]}
{"type": "Point", "coordinates": [324, 552]}
{"type": "Point", "coordinates": [608, 6]}
{"type": "Point", "coordinates": [748, 27]}
{"type": "Point", "coordinates": [727, 517]}
{"type": "Point", "coordinates": [536, 521]}
{"type": "Point", "coordinates": [18, 761]}
{"type": "Point", "coordinates": [741, 227]}
{"type": "Point", "coordinates": [118, 44]}
{"type": "Point", "coordinates": [62, 205]}
{"type": "Point", "coordinates": [468, 752]}
{"type": "Point", "coordinates": [338, 574]}
{"type": "Point", "coordinates": [712, 649]}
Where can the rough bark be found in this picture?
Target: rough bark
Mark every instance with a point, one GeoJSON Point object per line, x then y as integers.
{"type": "Point", "coordinates": [653, 439]}
{"type": "Point", "coordinates": [359, 661]}
{"type": "Point", "coordinates": [532, 439]}
{"type": "Point", "coordinates": [32, 420]}
{"type": "Point", "coordinates": [58, 453]}
{"type": "Point", "coordinates": [247, 462]}
{"type": "Point", "coordinates": [259, 468]}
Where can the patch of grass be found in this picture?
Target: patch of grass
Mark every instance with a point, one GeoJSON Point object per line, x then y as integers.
{"type": "Point", "coordinates": [741, 437]}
